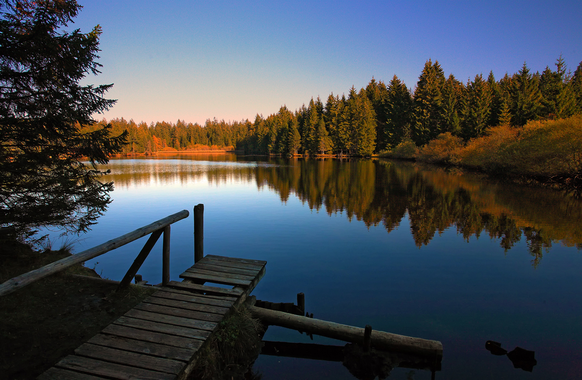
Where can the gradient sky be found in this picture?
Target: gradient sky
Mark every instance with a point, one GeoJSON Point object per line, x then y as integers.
{"type": "Point", "coordinates": [232, 60]}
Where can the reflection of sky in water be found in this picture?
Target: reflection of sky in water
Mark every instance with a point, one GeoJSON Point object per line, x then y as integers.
{"type": "Point", "coordinates": [460, 291]}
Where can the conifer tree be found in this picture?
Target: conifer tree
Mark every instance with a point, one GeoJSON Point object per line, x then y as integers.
{"type": "Point", "coordinates": [44, 179]}
{"type": "Point", "coordinates": [505, 113]}
{"type": "Point", "coordinates": [496, 100]}
{"type": "Point", "coordinates": [526, 97]}
{"type": "Point", "coordinates": [428, 104]}
{"type": "Point", "coordinates": [362, 124]}
{"type": "Point", "coordinates": [325, 144]}
{"type": "Point", "coordinates": [331, 116]}
{"type": "Point", "coordinates": [452, 93]}
{"type": "Point", "coordinates": [310, 136]}
{"type": "Point", "coordinates": [377, 94]}
{"type": "Point", "coordinates": [341, 139]}
{"type": "Point", "coordinates": [398, 111]}
{"type": "Point", "coordinates": [293, 137]}
{"type": "Point", "coordinates": [576, 86]}
{"type": "Point", "coordinates": [476, 108]}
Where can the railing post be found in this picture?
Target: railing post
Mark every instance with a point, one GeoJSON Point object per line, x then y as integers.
{"type": "Point", "coordinates": [198, 232]}
{"type": "Point", "coordinates": [166, 256]}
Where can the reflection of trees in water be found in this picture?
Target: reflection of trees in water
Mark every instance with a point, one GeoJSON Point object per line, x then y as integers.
{"type": "Point", "coordinates": [384, 192]}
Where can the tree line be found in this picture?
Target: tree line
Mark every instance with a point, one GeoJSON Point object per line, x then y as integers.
{"type": "Point", "coordinates": [380, 116]}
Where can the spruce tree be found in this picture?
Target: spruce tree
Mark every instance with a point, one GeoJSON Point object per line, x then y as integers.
{"type": "Point", "coordinates": [526, 97]}
{"type": "Point", "coordinates": [341, 139]}
{"type": "Point", "coordinates": [293, 137]}
{"type": "Point", "coordinates": [496, 100]}
{"type": "Point", "coordinates": [377, 94]}
{"type": "Point", "coordinates": [452, 93]}
{"type": "Point", "coordinates": [576, 86]}
{"type": "Point", "coordinates": [331, 117]}
{"type": "Point", "coordinates": [44, 178]}
{"type": "Point", "coordinates": [398, 111]}
{"type": "Point", "coordinates": [476, 108]}
{"type": "Point", "coordinates": [428, 104]}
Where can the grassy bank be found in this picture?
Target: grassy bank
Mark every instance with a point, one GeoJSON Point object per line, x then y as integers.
{"type": "Point", "coordinates": [48, 319]}
{"type": "Point", "coordinates": [547, 151]}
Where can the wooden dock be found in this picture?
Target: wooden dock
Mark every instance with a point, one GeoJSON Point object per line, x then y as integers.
{"type": "Point", "coordinates": [160, 337]}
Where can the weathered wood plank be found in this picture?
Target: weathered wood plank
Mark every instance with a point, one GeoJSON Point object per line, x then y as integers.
{"type": "Point", "coordinates": [214, 279]}
{"type": "Point", "coordinates": [114, 355]}
{"type": "Point", "coordinates": [187, 305]}
{"type": "Point", "coordinates": [163, 328]}
{"type": "Point", "coordinates": [65, 374]}
{"type": "Point", "coordinates": [236, 259]}
{"type": "Point", "coordinates": [205, 289]}
{"type": "Point", "coordinates": [177, 312]}
{"type": "Point", "coordinates": [150, 348]}
{"type": "Point", "coordinates": [251, 287]}
{"type": "Point", "coordinates": [232, 264]}
{"type": "Point", "coordinates": [216, 267]}
{"type": "Point", "coordinates": [27, 278]}
{"type": "Point", "coordinates": [225, 273]}
{"type": "Point", "coordinates": [112, 370]}
{"type": "Point", "coordinates": [149, 336]}
{"type": "Point", "coordinates": [171, 320]}
{"type": "Point", "coordinates": [186, 296]}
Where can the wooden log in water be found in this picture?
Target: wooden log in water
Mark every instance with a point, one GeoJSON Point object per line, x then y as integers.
{"type": "Point", "coordinates": [378, 339]}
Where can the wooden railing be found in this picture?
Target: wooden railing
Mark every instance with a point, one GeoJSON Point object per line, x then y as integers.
{"type": "Point", "coordinates": [156, 229]}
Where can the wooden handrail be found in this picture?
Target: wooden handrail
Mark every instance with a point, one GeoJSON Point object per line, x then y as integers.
{"type": "Point", "coordinates": [32, 276]}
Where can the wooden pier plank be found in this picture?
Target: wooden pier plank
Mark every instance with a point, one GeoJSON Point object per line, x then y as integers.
{"type": "Point", "coordinates": [151, 336]}
{"type": "Point", "coordinates": [187, 305]}
{"type": "Point", "coordinates": [65, 374]}
{"type": "Point", "coordinates": [187, 296]}
{"type": "Point", "coordinates": [231, 263]}
{"type": "Point", "coordinates": [217, 267]}
{"type": "Point", "coordinates": [163, 328]}
{"type": "Point", "coordinates": [260, 263]}
{"type": "Point", "coordinates": [205, 289]}
{"type": "Point", "coordinates": [177, 312]}
{"type": "Point", "coordinates": [133, 359]}
{"type": "Point", "coordinates": [227, 274]}
{"type": "Point", "coordinates": [171, 320]}
{"type": "Point", "coordinates": [214, 279]}
{"type": "Point", "coordinates": [144, 347]}
{"type": "Point", "coordinates": [112, 370]}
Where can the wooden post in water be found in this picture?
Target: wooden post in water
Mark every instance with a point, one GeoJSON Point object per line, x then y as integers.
{"type": "Point", "coordinates": [166, 256]}
{"type": "Point", "coordinates": [301, 302]}
{"type": "Point", "coordinates": [367, 338]}
{"type": "Point", "coordinates": [198, 232]}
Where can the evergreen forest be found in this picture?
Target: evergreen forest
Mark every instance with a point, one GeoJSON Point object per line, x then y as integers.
{"type": "Point", "coordinates": [379, 117]}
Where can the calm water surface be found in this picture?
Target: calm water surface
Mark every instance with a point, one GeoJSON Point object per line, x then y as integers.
{"type": "Point", "coordinates": [407, 249]}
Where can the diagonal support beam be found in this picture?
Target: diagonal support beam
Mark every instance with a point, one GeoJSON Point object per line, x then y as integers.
{"type": "Point", "coordinates": [145, 251]}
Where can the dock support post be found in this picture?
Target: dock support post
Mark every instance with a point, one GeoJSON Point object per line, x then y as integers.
{"type": "Point", "coordinates": [166, 257]}
{"type": "Point", "coordinates": [301, 302]}
{"type": "Point", "coordinates": [367, 338]}
{"type": "Point", "coordinates": [198, 232]}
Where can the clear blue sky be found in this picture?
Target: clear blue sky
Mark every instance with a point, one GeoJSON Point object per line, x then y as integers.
{"type": "Point", "coordinates": [231, 60]}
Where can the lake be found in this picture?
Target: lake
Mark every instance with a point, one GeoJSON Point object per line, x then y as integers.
{"type": "Point", "coordinates": [405, 248]}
